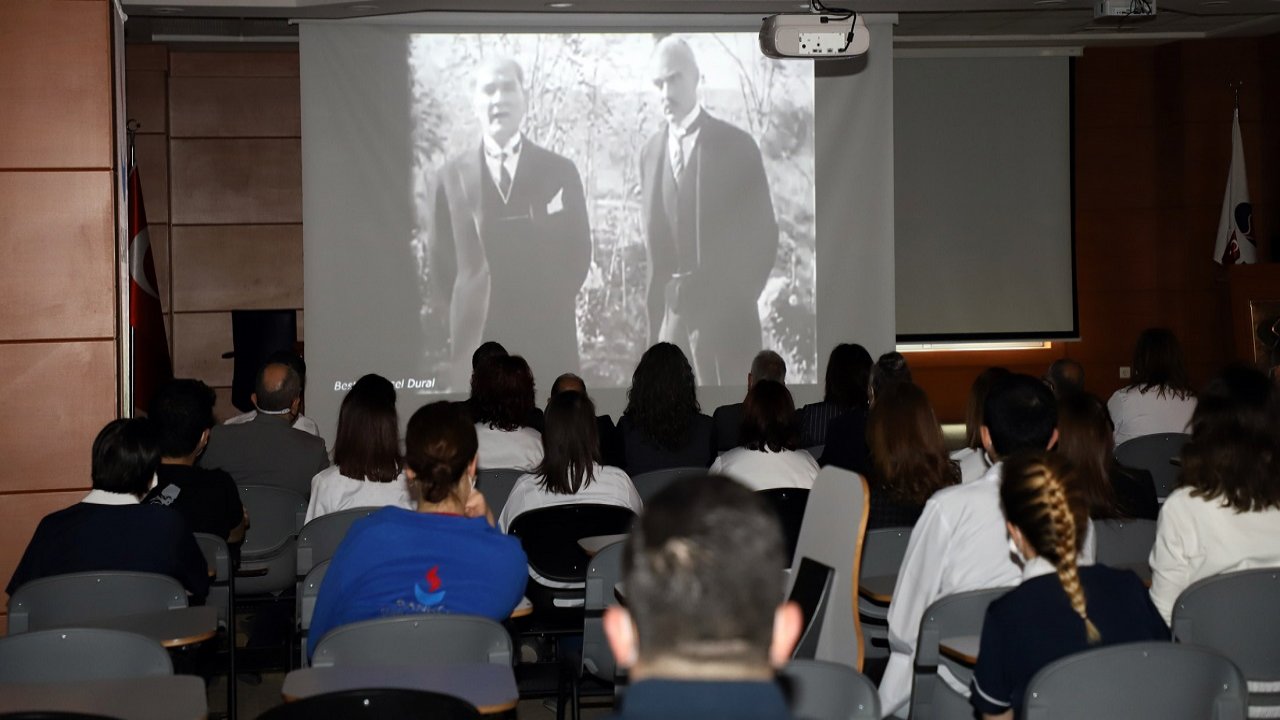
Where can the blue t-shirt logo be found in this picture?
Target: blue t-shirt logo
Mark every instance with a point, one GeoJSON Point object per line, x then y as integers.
{"type": "Point", "coordinates": [432, 595]}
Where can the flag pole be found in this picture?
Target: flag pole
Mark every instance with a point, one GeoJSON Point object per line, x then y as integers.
{"type": "Point", "coordinates": [1235, 86]}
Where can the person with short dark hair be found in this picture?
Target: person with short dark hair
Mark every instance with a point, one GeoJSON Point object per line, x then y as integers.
{"type": "Point", "coordinates": [1225, 515]}
{"type": "Point", "coordinates": [182, 411]}
{"type": "Point", "coordinates": [890, 368]}
{"type": "Point", "coordinates": [445, 556]}
{"type": "Point", "coordinates": [300, 421]}
{"type": "Point", "coordinates": [959, 543]}
{"type": "Point", "coordinates": [1065, 375]}
{"type": "Point", "coordinates": [769, 454]}
{"type": "Point", "coordinates": [848, 378]}
{"type": "Point", "coordinates": [366, 469]}
{"type": "Point", "coordinates": [1085, 439]}
{"type": "Point", "coordinates": [481, 363]}
{"type": "Point", "coordinates": [663, 425]}
{"type": "Point", "coordinates": [846, 445]}
{"type": "Point", "coordinates": [570, 471]}
{"type": "Point", "coordinates": [766, 365]}
{"type": "Point", "coordinates": [908, 458]}
{"type": "Point", "coordinates": [1158, 398]}
{"type": "Point", "coordinates": [502, 399]}
{"type": "Point", "coordinates": [711, 539]}
{"type": "Point", "coordinates": [972, 458]}
{"type": "Point", "coordinates": [110, 529]}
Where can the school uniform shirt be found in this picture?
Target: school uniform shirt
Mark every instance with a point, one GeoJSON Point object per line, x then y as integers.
{"type": "Point", "coordinates": [519, 449]}
{"type": "Point", "coordinates": [401, 562]}
{"type": "Point", "coordinates": [1198, 538]}
{"type": "Point", "coordinates": [1034, 625]}
{"type": "Point", "coordinates": [663, 699]}
{"type": "Point", "coordinates": [207, 499]}
{"type": "Point", "coordinates": [611, 486]}
{"type": "Point", "coordinates": [973, 463]}
{"type": "Point", "coordinates": [303, 423]}
{"type": "Point", "coordinates": [332, 491]}
{"type": "Point", "coordinates": [765, 469]}
{"type": "Point", "coordinates": [1158, 410]}
{"type": "Point", "coordinates": [958, 544]}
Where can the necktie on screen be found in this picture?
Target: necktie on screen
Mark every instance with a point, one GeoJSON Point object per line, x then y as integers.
{"type": "Point", "coordinates": [677, 158]}
{"type": "Point", "coordinates": [504, 176]}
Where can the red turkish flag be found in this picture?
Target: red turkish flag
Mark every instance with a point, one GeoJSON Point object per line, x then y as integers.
{"type": "Point", "coordinates": [151, 365]}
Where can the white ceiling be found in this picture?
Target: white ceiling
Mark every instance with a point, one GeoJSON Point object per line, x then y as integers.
{"type": "Point", "coordinates": [921, 22]}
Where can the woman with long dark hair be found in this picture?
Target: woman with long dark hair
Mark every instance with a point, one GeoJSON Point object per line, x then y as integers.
{"type": "Point", "coordinates": [847, 382]}
{"type": "Point", "coordinates": [570, 471]}
{"type": "Point", "coordinates": [663, 425]}
{"type": "Point", "coordinates": [502, 401]}
{"type": "Point", "coordinates": [445, 556]}
{"type": "Point", "coordinates": [909, 461]}
{"type": "Point", "coordinates": [972, 458]}
{"type": "Point", "coordinates": [1158, 398]}
{"type": "Point", "coordinates": [1085, 439]}
{"type": "Point", "coordinates": [366, 470]}
{"type": "Point", "coordinates": [768, 454]}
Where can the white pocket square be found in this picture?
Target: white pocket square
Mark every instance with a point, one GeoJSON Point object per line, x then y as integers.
{"type": "Point", "coordinates": [557, 203]}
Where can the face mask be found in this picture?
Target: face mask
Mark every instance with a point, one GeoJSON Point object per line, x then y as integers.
{"type": "Point", "coordinates": [1013, 548]}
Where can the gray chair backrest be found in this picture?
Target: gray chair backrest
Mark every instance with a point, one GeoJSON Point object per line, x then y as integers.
{"type": "Point", "coordinates": [953, 616]}
{"type": "Point", "coordinates": [319, 539]}
{"type": "Point", "coordinates": [1235, 614]}
{"type": "Point", "coordinates": [415, 640]}
{"type": "Point", "coordinates": [1126, 544]}
{"type": "Point", "coordinates": [80, 654]}
{"type": "Point", "coordinates": [62, 601]}
{"type": "Point", "coordinates": [1155, 454]}
{"type": "Point", "coordinates": [822, 690]}
{"type": "Point", "coordinates": [268, 557]}
{"type": "Point", "coordinates": [835, 522]}
{"type": "Point", "coordinates": [651, 483]}
{"type": "Point", "coordinates": [1138, 680]}
{"type": "Point", "coordinates": [307, 594]}
{"type": "Point", "coordinates": [218, 556]}
{"type": "Point", "coordinates": [496, 484]}
{"type": "Point", "coordinates": [603, 573]}
{"type": "Point", "coordinates": [882, 554]}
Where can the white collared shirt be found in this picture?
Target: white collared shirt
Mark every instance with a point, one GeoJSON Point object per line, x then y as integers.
{"type": "Point", "coordinates": [681, 142]}
{"type": "Point", "coordinates": [520, 449]}
{"type": "Point", "coordinates": [102, 497]}
{"type": "Point", "coordinates": [609, 486]}
{"type": "Point", "coordinates": [507, 155]}
{"type": "Point", "coordinates": [959, 544]}
{"type": "Point", "coordinates": [1136, 413]}
{"type": "Point", "coordinates": [331, 491]}
{"type": "Point", "coordinates": [764, 470]}
{"type": "Point", "coordinates": [973, 463]}
{"type": "Point", "coordinates": [303, 423]}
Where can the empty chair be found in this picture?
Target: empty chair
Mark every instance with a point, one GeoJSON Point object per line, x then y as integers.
{"type": "Point", "coordinates": [821, 690]}
{"type": "Point", "coordinates": [1235, 614]}
{"type": "Point", "coordinates": [66, 600]}
{"type": "Point", "coordinates": [80, 654]}
{"type": "Point", "coordinates": [882, 554]}
{"type": "Point", "coordinates": [415, 640]}
{"type": "Point", "coordinates": [496, 484]}
{"type": "Point", "coordinates": [319, 539]}
{"type": "Point", "coordinates": [826, 567]}
{"type": "Point", "coordinates": [268, 561]}
{"type": "Point", "coordinates": [308, 591]}
{"type": "Point", "coordinates": [1126, 544]}
{"type": "Point", "coordinates": [218, 556]}
{"type": "Point", "coordinates": [1138, 680]}
{"type": "Point", "coordinates": [935, 694]}
{"type": "Point", "coordinates": [1156, 454]}
{"type": "Point", "coordinates": [789, 504]}
{"type": "Point", "coordinates": [385, 704]}
{"type": "Point", "coordinates": [651, 483]}
{"type": "Point", "coordinates": [603, 573]}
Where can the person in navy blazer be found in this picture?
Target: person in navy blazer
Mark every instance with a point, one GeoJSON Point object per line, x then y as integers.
{"type": "Point", "coordinates": [710, 229]}
{"type": "Point", "coordinates": [509, 242]}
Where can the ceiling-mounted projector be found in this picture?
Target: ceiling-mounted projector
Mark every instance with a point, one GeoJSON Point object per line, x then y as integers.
{"type": "Point", "coordinates": [814, 35]}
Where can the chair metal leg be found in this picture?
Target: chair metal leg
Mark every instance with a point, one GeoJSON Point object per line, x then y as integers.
{"type": "Point", "coordinates": [231, 647]}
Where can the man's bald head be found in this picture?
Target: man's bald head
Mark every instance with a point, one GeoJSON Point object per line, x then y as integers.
{"type": "Point", "coordinates": [568, 382]}
{"type": "Point", "coordinates": [675, 73]}
{"type": "Point", "coordinates": [277, 389]}
{"type": "Point", "coordinates": [499, 97]}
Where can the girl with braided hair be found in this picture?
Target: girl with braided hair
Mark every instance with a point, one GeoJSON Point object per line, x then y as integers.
{"type": "Point", "coordinates": [1060, 608]}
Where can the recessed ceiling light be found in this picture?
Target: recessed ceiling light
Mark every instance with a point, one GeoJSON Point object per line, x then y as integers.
{"type": "Point", "coordinates": [559, 5]}
{"type": "Point", "coordinates": [1049, 2]}
{"type": "Point", "coordinates": [168, 10]}
{"type": "Point", "coordinates": [1208, 3]}
{"type": "Point", "coordinates": [364, 8]}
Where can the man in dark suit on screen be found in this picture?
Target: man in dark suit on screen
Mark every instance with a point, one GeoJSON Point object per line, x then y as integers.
{"type": "Point", "coordinates": [710, 229]}
{"type": "Point", "coordinates": [509, 242]}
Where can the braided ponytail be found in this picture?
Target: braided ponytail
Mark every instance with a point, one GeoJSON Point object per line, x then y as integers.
{"type": "Point", "coordinates": [1037, 496]}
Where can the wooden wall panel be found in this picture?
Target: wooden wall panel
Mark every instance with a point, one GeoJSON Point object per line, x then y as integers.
{"type": "Point", "coordinates": [152, 154]}
{"type": "Point", "coordinates": [159, 235]}
{"type": "Point", "coordinates": [58, 277]}
{"type": "Point", "coordinates": [146, 99]}
{"type": "Point", "coordinates": [237, 63]}
{"type": "Point", "coordinates": [230, 267]}
{"type": "Point", "coordinates": [223, 182]}
{"type": "Point", "coordinates": [55, 85]}
{"type": "Point", "coordinates": [19, 516]}
{"type": "Point", "coordinates": [199, 339]}
{"type": "Point", "coordinates": [235, 107]}
{"type": "Point", "coordinates": [56, 396]}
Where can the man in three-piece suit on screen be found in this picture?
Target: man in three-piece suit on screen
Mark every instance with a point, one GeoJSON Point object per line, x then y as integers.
{"type": "Point", "coordinates": [509, 241]}
{"type": "Point", "coordinates": [710, 230]}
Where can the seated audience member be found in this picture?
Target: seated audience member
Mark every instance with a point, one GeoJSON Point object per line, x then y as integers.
{"type": "Point", "coordinates": [847, 380]}
{"type": "Point", "coordinates": [1060, 608]}
{"type": "Point", "coordinates": [972, 458]}
{"type": "Point", "coordinates": [1085, 439]}
{"type": "Point", "coordinates": [300, 421]}
{"type": "Point", "coordinates": [847, 436]}
{"type": "Point", "coordinates": [501, 403]}
{"type": "Point", "coordinates": [267, 450]}
{"type": "Point", "coordinates": [663, 426]}
{"type": "Point", "coordinates": [366, 469]}
{"type": "Point", "coordinates": [445, 557]}
{"type": "Point", "coordinates": [1226, 514]}
{"type": "Point", "coordinates": [1065, 375]}
{"type": "Point", "coordinates": [110, 529]}
{"type": "Point", "coordinates": [766, 365]}
{"type": "Point", "coordinates": [182, 412]}
{"type": "Point", "coordinates": [712, 539]}
{"type": "Point", "coordinates": [769, 456]}
{"type": "Point", "coordinates": [959, 543]}
{"type": "Point", "coordinates": [606, 430]}
{"type": "Point", "coordinates": [908, 460]}
{"type": "Point", "coordinates": [570, 471]}
{"type": "Point", "coordinates": [890, 368]}
{"type": "Point", "coordinates": [1159, 398]}
{"type": "Point", "coordinates": [483, 354]}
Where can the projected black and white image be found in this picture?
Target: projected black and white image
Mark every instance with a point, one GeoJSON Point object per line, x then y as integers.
{"type": "Point", "coordinates": [581, 196]}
